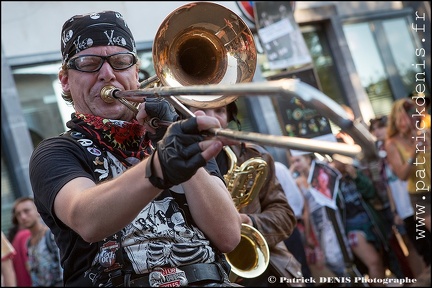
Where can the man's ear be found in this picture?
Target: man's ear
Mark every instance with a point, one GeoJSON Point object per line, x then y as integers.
{"type": "Point", "coordinates": [137, 77]}
{"type": "Point", "coordinates": [64, 81]}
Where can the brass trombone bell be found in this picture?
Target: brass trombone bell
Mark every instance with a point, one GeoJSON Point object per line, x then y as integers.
{"type": "Point", "coordinates": [204, 43]}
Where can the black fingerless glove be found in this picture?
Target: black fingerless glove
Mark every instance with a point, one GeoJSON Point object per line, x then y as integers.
{"type": "Point", "coordinates": [161, 109]}
{"type": "Point", "coordinates": [179, 154]}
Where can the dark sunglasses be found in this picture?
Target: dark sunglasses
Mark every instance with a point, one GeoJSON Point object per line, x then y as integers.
{"type": "Point", "coordinates": [93, 63]}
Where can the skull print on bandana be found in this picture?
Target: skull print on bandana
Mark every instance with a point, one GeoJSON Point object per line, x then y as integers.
{"type": "Point", "coordinates": [107, 28]}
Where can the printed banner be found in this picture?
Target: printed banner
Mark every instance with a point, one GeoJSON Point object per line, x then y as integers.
{"type": "Point", "coordinates": [280, 35]}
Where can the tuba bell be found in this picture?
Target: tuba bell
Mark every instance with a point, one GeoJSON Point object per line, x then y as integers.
{"type": "Point", "coordinates": [251, 256]}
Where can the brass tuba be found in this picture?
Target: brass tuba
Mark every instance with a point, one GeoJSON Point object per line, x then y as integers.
{"type": "Point", "coordinates": [251, 256]}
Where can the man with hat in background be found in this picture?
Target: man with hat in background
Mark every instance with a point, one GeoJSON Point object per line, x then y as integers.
{"type": "Point", "coordinates": [124, 213]}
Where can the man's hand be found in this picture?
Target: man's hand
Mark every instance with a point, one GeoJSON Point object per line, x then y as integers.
{"type": "Point", "coordinates": [183, 150]}
{"type": "Point", "coordinates": [157, 109]}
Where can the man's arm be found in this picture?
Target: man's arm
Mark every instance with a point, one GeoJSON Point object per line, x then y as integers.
{"type": "Point", "coordinates": [213, 210]}
{"type": "Point", "coordinates": [97, 211]}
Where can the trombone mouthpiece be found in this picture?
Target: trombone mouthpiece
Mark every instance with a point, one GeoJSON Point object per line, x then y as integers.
{"type": "Point", "coordinates": [107, 93]}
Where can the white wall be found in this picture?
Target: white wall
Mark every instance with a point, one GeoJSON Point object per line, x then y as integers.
{"type": "Point", "coordinates": [34, 27]}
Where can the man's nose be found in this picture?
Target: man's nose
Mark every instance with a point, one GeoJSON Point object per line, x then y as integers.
{"type": "Point", "coordinates": [106, 73]}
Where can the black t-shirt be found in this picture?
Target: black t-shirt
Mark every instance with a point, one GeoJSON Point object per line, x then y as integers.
{"type": "Point", "coordinates": [55, 162]}
{"type": "Point", "coordinates": [58, 160]}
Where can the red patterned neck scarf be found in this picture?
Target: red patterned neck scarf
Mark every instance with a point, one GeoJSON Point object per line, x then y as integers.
{"type": "Point", "coordinates": [123, 139]}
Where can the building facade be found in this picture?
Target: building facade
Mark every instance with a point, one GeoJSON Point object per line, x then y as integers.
{"type": "Point", "coordinates": [365, 55]}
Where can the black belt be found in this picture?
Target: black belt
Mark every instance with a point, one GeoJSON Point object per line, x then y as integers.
{"type": "Point", "coordinates": [184, 275]}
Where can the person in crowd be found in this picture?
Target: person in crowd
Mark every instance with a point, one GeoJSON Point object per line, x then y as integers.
{"type": "Point", "coordinates": [364, 226]}
{"type": "Point", "coordinates": [320, 231]}
{"type": "Point", "coordinates": [8, 277]}
{"type": "Point", "coordinates": [408, 143]}
{"type": "Point", "coordinates": [269, 211]}
{"type": "Point", "coordinates": [399, 197]}
{"type": "Point", "coordinates": [20, 261]}
{"type": "Point", "coordinates": [295, 242]}
{"type": "Point", "coordinates": [18, 236]}
{"type": "Point", "coordinates": [43, 254]}
{"type": "Point", "coordinates": [394, 257]}
{"type": "Point", "coordinates": [124, 212]}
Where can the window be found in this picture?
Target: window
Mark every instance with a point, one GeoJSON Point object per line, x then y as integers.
{"type": "Point", "coordinates": [402, 47]}
{"type": "Point", "coordinates": [322, 58]}
{"type": "Point", "coordinates": [384, 56]}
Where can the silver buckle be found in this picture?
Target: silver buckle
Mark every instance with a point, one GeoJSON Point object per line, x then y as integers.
{"type": "Point", "coordinates": [167, 277]}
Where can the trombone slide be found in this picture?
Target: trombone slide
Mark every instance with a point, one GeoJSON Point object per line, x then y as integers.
{"type": "Point", "coordinates": [285, 88]}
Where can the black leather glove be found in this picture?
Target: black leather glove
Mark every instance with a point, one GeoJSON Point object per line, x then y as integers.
{"type": "Point", "coordinates": [179, 154]}
{"type": "Point", "coordinates": [161, 109]}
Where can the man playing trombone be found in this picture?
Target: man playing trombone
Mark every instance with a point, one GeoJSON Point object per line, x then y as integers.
{"type": "Point", "coordinates": [123, 214]}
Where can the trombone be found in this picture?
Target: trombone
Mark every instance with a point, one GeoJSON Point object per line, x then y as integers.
{"type": "Point", "coordinates": [205, 55]}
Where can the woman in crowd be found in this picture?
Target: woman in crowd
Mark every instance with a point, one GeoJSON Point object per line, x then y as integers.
{"type": "Point", "coordinates": [401, 203]}
{"type": "Point", "coordinates": [19, 236]}
{"type": "Point", "coordinates": [408, 143]}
